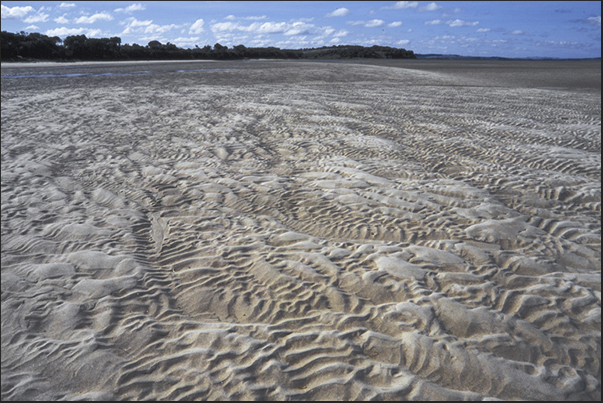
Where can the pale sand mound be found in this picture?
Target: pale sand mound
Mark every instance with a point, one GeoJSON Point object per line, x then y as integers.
{"type": "Point", "coordinates": [288, 230]}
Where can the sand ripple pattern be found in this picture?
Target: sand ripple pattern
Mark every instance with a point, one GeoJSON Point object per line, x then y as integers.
{"type": "Point", "coordinates": [299, 231]}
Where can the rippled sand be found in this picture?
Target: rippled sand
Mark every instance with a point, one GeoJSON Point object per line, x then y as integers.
{"type": "Point", "coordinates": [302, 230]}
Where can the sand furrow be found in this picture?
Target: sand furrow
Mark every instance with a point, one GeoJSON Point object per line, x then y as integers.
{"type": "Point", "coordinates": [296, 230]}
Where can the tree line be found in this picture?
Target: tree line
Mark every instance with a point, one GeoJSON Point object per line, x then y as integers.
{"type": "Point", "coordinates": [25, 46]}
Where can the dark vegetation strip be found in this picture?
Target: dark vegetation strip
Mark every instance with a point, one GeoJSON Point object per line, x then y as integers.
{"type": "Point", "coordinates": [25, 46]}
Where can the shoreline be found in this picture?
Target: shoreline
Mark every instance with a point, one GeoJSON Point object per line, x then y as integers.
{"type": "Point", "coordinates": [88, 63]}
{"type": "Point", "coordinates": [578, 75]}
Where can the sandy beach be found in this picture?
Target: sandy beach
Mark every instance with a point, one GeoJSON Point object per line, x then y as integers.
{"type": "Point", "coordinates": [294, 230]}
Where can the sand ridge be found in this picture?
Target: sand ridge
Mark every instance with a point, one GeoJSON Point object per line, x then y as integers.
{"type": "Point", "coordinates": [295, 230]}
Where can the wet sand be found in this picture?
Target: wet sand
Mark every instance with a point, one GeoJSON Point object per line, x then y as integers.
{"type": "Point", "coordinates": [274, 230]}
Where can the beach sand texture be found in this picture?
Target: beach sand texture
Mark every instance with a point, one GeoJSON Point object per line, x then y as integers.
{"type": "Point", "coordinates": [301, 230]}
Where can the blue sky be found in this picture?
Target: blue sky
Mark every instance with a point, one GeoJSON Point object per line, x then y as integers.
{"type": "Point", "coordinates": [570, 29]}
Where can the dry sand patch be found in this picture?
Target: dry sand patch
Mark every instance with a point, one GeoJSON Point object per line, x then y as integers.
{"type": "Point", "coordinates": [297, 230]}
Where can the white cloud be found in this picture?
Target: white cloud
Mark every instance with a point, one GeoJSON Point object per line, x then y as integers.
{"type": "Point", "coordinates": [159, 29]}
{"type": "Point", "coordinates": [328, 30]}
{"type": "Point", "coordinates": [341, 33]}
{"type": "Point", "coordinates": [255, 18]}
{"type": "Point", "coordinates": [20, 12]}
{"type": "Point", "coordinates": [197, 27]}
{"type": "Point", "coordinates": [234, 27]}
{"type": "Point", "coordinates": [15, 12]}
{"type": "Point", "coordinates": [93, 18]}
{"type": "Point", "coordinates": [226, 26]}
{"type": "Point", "coordinates": [250, 18]}
{"type": "Point", "coordinates": [131, 8]}
{"type": "Point", "coordinates": [374, 23]}
{"type": "Point", "coordinates": [61, 20]}
{"type": "Point", "coordinates": [430, 7]}
{"type": "Point", "coordinates": [136, 23]}
{"type": "Point", "coordinates": [483, 30]}
{"type": "Point", "coordinates": [292, 43]}
{"type": "Point", "coordinates": [433, 22]}
{"type": "Point", "coordinates": [594, 20]}
{"type": "Point", "coordinates": [66, 5]}
{"type": "Point", "coordinates": [561, 44]}
{"type": "Point", "coordinates": [289, 29]}
{"type": "Point", "coordinates": [369, 42]}
{"type": "Point", "coordinates": [136, 7]}
{"type": "Point", "coordinates": [300, 28]}
{"type": "Point", "coordinates": [240, 39]}
{"type": "Point", "coordinates": [395, 24]}
{"type": "Point", "coordinates": [401, 5]}
{"type": "Point", "coordinates": [403, 42]}
{"type": "Point", "coordinates": [340, 12]}
{"type": "Point", "coordinates": [39, 17]}
{"type": "Point", "coordinates": [272, 28]}
{"type": "Point", "coordinates": [517, 32]}
{"type": "Point", "coordinates": [31, 27]}
{"type": "Point", "coordinates": [367, 24]}
{"type": "Point", "coordinates": [186, 42]}
{"type": "Point", "coordinates": [94, 33]}
{"type": "Point", "coordinates": [461, 23]}
{"type": "Point", "coordinates": [63, 31]}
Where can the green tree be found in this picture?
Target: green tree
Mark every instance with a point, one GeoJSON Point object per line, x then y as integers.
{"type": "Point", "coordinates": [154, 45]}
{"type": "Point", "coordinates": [76, 46]}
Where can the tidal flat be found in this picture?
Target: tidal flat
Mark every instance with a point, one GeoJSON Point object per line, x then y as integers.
{"type": "Point", "coordinates": [295, 230]}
